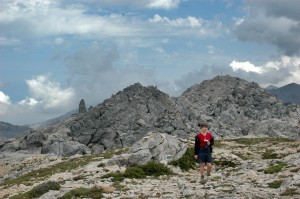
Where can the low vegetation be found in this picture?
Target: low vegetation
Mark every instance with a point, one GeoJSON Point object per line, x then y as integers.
{"type": "Point", "coordinates": [269, 154]}
{"type": "Point", "coordinates": [38, 190]}
{"type": "Point", "coordinates": [66, 165]}
{"type": "Point", "coordinates": [251, 141]}
{"type": "Point", "coordinates": [152, 168]}
{"type": "Point", "coordinates": [275, 184]}
{"type": "Point", "coordinates": [187, 161]}
{"type": "Point", "coordinates": [276, 168]}
{"type": "Point", "coordinates": [224, 163]}
{"type": "Point", "coordinates": [93, 192]}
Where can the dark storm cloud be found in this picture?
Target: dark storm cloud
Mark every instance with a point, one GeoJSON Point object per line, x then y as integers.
{"type": "Point", "coordinates": [274, 22]}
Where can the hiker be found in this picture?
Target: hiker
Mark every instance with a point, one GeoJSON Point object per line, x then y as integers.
{"type": "Point", "coordinates": [203, 149]}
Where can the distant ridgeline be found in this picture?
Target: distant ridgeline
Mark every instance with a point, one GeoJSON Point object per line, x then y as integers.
{"type": "Point", "coordinates": [287, 94]}
{"type": "Point", "coordinates": [232, 106]}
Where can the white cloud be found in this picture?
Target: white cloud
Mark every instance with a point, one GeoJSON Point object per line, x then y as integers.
{"type": "Point", "coordinates": [136, 4]}
{"type": "Point", "coordinates": [191, 26]}
{"type": "Point", "coordinates": [9, 41]}
{"type": "Point", "coordinates": [245, 66]}
{"type": "Point", "coordinates": [47, 18]}
{"type": "Point", "coordinates": [179, 22]}
{"type": "Point", "coordinates": [39, 19]}
{"type": "Point", "coordinates": [163, 4]}
{"type": "Point", "coordinates": [4, 98]}
{"type": "Point", "coordinates": [49, 94]}
{"type": "Point", "coordinates": [28, 101]}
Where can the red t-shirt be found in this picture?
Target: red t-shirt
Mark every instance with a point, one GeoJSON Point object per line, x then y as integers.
{"type": "Point", "coordinates": [201, 138]}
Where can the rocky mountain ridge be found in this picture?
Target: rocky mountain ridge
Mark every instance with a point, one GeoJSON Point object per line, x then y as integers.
{"type": "Point", "coordinates": [232, 106]}
{"type": "Point", "coordinates": [288, 94]}
{"type": "Point", "coordinates": [11, 131]}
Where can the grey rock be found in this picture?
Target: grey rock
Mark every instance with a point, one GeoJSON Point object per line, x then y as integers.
{"type": "Point", "coordinates": [82, 108]}
{"type": "Point", "coordinates": [235, 107]}
{"type": "Point", "coordinates": [67, 148]}
{"type": "Point", "coordinates": [156, 146]}
{"type": "Point", "coordinates": [97, 148]}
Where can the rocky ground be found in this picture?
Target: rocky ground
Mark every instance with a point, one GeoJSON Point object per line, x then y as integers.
{"type": "Point", "coordinates": [244, 168]}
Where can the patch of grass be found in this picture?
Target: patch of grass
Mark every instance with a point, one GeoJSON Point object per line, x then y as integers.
{"type": "Point", "coordinates": [38, 190]}
{"type": "Point", "coordinates": [251, 141]}
{"type": "Point", "coordinates": [219, 144]}
{"type": "Point", "coordinates": [93, 192]}
{"type": "Point", "coordinates": [276, 168]}
{"type": "Point", "coordinates": [187, 161]}
{"type": "Point", "coordinates": [269, 154]}
{"type": "Point", "coordinates": [119, 187]}
{"type": "Point", "coordinates": [290, 192]}
{"type": "Point", "coordinates": [294, 145]}
{"type": "Point", "coordinates": [67, 165]}
{"type": "Point", "coordinates": [224, 163]}
{"type": "Point", "coordinates": [152, 168]}
{"type": "Point", "coordinates": [80, 177]}
{"type": "Point", "coordinates": [101, 165]}
{"type": "Point", "coordinates": [216, 178]}
{"type": "Point", "coordinates": [243, 156]}
{"type": "Point", "coordinates": [275, 184]}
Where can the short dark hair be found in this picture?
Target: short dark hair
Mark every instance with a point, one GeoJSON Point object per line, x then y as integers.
{"type": "Point", "coordinates": [203, 124]}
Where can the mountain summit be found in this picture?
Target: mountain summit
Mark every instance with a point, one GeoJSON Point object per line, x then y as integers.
{"type": "Point", "coordinates": [232, 106]}
{"type": "Point", "coordinates": [288, 93]}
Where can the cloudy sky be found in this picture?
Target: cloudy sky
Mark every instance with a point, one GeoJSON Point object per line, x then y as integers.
{"type": "Point", "coordinates": [55, 52]}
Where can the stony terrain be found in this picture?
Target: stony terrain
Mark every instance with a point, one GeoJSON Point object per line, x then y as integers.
{"type": "Point", "coordinates": [232, 106]}
{"type": "Point", "coordinates": [244, 168]}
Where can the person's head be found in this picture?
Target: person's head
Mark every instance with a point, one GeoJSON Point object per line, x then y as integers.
{"type": "Point", "coordinates": [203, 126]}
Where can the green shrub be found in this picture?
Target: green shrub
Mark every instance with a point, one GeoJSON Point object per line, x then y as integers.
{"type": "Point", "coordinates": [93, 192]}
{"type": "Point", "coordinates": [276, 168]}
{"type": "Point", "coordinates": [224, 163]}
{"type": "Point", "coordinates": [187, 161]}
{"type": "Point", "coordinates": [134, 172]}
{"type": "Point", "coordinates": [101, 165]}
{"type": "Point", "coordinates": [38, 190]}
{"type": "Point", "coordinates": [275, 184]}
{"type": "Point", "coordinates": [80, 177]}
{"type": "Point", "coordinates": [268, 154]}
{"type": "Point", "coordinates": [152, 168]}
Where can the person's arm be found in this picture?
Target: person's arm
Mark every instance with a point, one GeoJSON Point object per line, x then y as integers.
{"type": "Point", "coordinates": [196, 145]}
{"type": "Point", "coordinates": [212, 141]}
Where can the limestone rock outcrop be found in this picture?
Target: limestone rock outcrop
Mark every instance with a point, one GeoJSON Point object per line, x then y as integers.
{"type": "Point", "coordinates": [156, 146]}
{"type": "Point", "coordinates": [235, 107]}
{"type": "Point", "coordinates": [82, 107]}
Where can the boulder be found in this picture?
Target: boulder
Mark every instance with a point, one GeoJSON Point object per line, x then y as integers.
{"type": "Point", "coordinates": [156, 146]}
{"type": "Point", "coordinates": [66, 148]}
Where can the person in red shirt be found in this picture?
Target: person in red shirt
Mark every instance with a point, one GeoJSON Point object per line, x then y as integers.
{"type": "Point", "coordinates": [203, 149]}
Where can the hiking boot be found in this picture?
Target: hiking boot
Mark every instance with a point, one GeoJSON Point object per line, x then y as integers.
{"type": "Point", "coordinates": [202, 181]}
